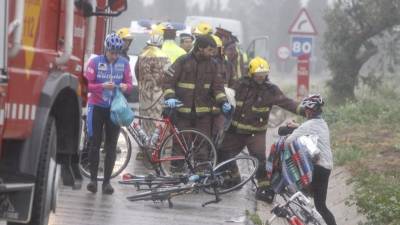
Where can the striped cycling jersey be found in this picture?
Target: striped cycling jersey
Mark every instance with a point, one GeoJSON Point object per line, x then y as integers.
{"type": "Point", "coordinates": [99, 71]}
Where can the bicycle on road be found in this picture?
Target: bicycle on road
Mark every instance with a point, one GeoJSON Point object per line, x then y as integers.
{"type": "Point", "coordinates": [297, 210]}
{"type": "Point", "coordinates": [174, 150]}
{"type": "Point", "coordinates": [215, 181]}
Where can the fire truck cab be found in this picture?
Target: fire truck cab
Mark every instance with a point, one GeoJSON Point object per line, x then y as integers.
{"type": "Point", "coordinates": [43, 46]}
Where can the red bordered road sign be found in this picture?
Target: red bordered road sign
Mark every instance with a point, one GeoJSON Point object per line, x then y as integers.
{"type": "Point", "coordinates": [303, 24]}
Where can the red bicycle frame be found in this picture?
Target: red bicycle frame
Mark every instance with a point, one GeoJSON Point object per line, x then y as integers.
{"type": "Point", "coordinates": [167, 129]}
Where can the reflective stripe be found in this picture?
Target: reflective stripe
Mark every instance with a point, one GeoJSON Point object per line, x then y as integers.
{"type": "Point", "coordinates": [220, 95]}
{"type": "Point", "coordinates": [239, 103]}
{"type": "Point", "coordinates": [198, 109]}
{"type": "Point", "coordinates": [207, 86]}
{"type": "Point", "coordinates": [249, 127]}
{"type": "Point", "coordinates": [184, 109]}
{"type": "Point", "coordinates": [186, 85]}
{"type": "Point", "coordinates": [261, 109]}
{"type": "Point", "coordinates": [169, 91]}
{"type": "Point", "coordinates": [203, 109]}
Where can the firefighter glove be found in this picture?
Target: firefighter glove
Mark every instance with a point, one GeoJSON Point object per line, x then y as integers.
{"type": "Point", "coordinates": [172, 103]}
{"type": "Point", "coordinates": [226, 107]}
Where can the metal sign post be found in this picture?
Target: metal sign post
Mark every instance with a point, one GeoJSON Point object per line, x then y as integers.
{"type": "Point", "coordinates": [302, 30]}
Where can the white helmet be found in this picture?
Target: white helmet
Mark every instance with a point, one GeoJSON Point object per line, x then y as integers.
{"type": "Point", "coordinates": [313, 102]}
{"type": "Point", "coordinates": [155, 40]}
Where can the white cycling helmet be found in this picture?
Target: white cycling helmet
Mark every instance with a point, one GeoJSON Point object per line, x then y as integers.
{"type": "Point", "coordinates": [313, 102]}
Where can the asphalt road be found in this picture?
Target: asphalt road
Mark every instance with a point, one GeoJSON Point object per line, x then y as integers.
{"type": "Point", "coordinates": [83, 208]}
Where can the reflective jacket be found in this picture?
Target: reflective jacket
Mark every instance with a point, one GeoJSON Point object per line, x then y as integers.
{"type": "Point", "coordinates": [195, 82]}
{"type": "Point", "coordinates": [172, 50]}
{"type": "Point", "coordinates": [253, 105]}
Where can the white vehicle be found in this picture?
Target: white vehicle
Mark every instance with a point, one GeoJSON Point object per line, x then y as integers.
{"type": "Point", "coordinates": [258, 45]}
{"type": "Point", "coordinates": [235, 26]}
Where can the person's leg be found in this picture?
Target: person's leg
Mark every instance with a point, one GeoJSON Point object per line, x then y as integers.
{"type": "Point", "coordinates": [178, 165]}
{"type": "Point", "coordinates": [95, 121]}
{"type": "Point", "coordinates": [112, 133]}
{"type": "Point", "coordinates": [320, 188]}
{"type": "Point", "coordinates": [231, 146]}
{"type": "Point", "coordinates": [218, 129]}
{"type": "Point", "coordinates": [204, 125]}
{"type": "Point", "coordinates": [256, 146]}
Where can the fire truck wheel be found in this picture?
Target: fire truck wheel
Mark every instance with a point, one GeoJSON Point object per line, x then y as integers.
{"type": "Point", "coordinates": [46, 182]}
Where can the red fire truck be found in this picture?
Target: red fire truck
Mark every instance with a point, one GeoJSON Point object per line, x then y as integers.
{"type": "Point", "coordinates": [43, 46]}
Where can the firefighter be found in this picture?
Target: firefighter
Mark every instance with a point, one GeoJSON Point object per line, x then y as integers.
{"type": "Point", "coordinates": [104, 74]}
{"type": "Point", "coordinates": [225, 35]}
{"type": "Point", "coordinates": [235, 57]}
{"type": "Point", "coordinates": [255, 95]}
{"type": "Point", "coordinates": [202, 28]}
{"type": "Point", "coordinates": [194, 81]}
{"type": "Point", "coordinates": [186, 41]}
{"type": "Point", "coordinates": [169, 46]}
{"type": "Point", "coordinates": [127, 37]}
{"type": "Point", "coordinates": [225, 69]}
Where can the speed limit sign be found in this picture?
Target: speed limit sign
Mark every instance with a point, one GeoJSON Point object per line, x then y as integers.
{"type": "Point", "coordinates": [301, 46]}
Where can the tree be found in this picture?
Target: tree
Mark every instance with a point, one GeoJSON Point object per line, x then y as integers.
{"type": "Point", "coordinates": [353, 27]}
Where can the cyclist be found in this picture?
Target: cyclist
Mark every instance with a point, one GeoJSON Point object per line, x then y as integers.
{"type": "Point", "coordinates": [323, 164]}
{"type": "Point", "coordinates": [104, 73]}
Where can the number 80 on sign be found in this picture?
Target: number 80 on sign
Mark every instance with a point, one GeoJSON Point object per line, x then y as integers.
{"type": "Point", "coordinates": [301, 46]}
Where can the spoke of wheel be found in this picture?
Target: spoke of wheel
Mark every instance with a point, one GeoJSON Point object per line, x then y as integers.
{"type": "Point", "coordinates": [201, 143]}
{"type": "Point", "coordinates": [184, 143]}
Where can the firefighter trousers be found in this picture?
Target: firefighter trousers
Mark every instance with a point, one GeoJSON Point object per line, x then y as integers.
{"type": "Point", "coordinates": [234, 143]}
{"type": "Point", "coordinates": [202, 124]}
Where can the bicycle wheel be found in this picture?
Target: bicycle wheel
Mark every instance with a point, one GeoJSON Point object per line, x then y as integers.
{"type": "Point", "coordinates": [307, 215]}
{"type": "Point", "coordinates": [232, 174]}
{"type": "Point", "coordinates": [124, 152]}
{"type": "Point", "coordinates": [186, 152]}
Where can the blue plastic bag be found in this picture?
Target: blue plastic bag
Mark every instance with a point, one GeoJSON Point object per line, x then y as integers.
{"type": "Point", "coordinates": [121, 114]}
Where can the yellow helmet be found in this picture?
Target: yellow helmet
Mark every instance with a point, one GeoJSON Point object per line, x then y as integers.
{"type": "Point", "coordinates": [217, 40]}
{"type": "Point", "coordinates": [203, 28]}
{"type": "Point", "coordinates": [124, 33]}
{"type": "Point", "coordinates": [157, 29]}
{"type": "Point", "coordinates": [258, 65]}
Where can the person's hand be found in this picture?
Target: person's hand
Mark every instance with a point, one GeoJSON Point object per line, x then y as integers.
{"type": "Point", "coordinates": [123, 87]}
{"type": "Point", "coordinates": [292, 124]}
{"type": "Point", "coordinates": [172, 102]}
{"type": "Point", "coordinates": [226, 108]}
{"type": "Point", "coordinates": [108, 85]}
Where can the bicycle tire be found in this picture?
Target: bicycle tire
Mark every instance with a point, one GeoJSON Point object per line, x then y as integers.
{"type": "Point", "coordinates": [247, 167]}
{"type": "Point", "coordinates": [304, 214]}
{"type": "Point", "coordinates": [84, 162]}
{"type": "Point", "coordinates": [187, 136]}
